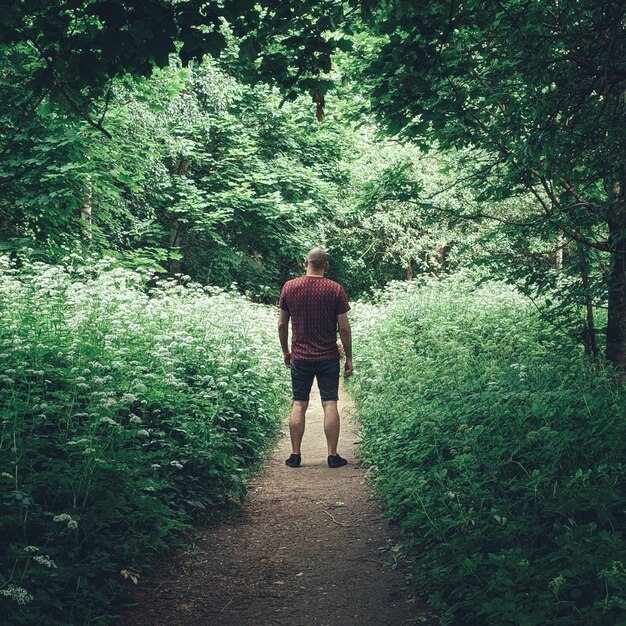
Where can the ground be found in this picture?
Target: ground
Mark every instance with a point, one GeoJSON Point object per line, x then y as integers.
{"type": "Point", "coordinates": [309, 547]}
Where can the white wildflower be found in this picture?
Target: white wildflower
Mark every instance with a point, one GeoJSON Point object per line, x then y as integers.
{"type": "Point", "coordinates": [135, 419]}
{"type": "Point", "coordinates": [176, 464]}
{"type": "Point", "coordinates": [556, 583]}
{"type": "Point", "coordinates": [31, 549]}
{"type": "Point", "coordinates": [65, 517]}
{"type": "Point", "coordinates": [45, 560]}
{"type": "Point", "coordinates": [143, 433]}
{"type": "Point", "coordinates": [19, 594]}
{"type": "Point", "coordinates": [108, 420]}
{"type": "Point", "coordinates": [155, 466]}
{"type": "Point", "coordinates": [6, 475]}
{"type": "Point", "coordinates": [140, 387]}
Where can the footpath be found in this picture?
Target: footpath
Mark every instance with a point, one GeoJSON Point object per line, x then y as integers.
{"type": "Point", "coordinates": [309, 547]}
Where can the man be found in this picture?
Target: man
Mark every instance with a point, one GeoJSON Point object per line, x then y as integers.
{"type": "Point", "coordinates": [316, 306]}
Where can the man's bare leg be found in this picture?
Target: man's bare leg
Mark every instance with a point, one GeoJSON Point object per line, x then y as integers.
{"type": "Point", "coordinates": [296, 424]}
{"type": "Point", "coordinates": [331, 425]}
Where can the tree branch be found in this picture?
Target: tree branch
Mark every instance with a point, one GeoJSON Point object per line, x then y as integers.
{"type": "Point", "coordinates": [65, 92]}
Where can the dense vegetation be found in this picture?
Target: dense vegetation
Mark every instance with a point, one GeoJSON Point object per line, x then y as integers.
{"type": "Point", "coordinates": [519, 108]}
{"type": "Point", "coordinates": [500, 453]}
{"type": "Point", "coordinates": [214, 179]}
{"type": "Point", "coordinates": [213, 142]}
{"type": "Point", "coordinates": [128, 406]}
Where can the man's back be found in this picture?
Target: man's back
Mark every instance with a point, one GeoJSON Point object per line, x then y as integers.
{"type": "Point", "coordinates": [316, 306]}
{"type": "Point", "coordinates": [313, 303]}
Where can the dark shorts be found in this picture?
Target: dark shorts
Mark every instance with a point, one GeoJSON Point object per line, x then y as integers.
{"type": "Point", "coordinates": [327, 374]}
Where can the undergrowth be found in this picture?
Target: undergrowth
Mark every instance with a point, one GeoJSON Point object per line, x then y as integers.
{"type": "Point", "coordinates": [125, 412]}
{"type": "Point", "coordinates": [500, 453]}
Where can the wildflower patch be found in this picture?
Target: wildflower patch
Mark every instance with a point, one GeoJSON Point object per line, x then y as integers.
{"type": "Point", "coordinates": [126, 411]}
{"type": "Point", "coordinates": [499, 451]}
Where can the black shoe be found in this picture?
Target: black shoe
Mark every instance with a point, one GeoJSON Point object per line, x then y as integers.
{"type": "Point", "coordinates": [336, 461]}
{"type": "Point", "coordinates": [294, 460]}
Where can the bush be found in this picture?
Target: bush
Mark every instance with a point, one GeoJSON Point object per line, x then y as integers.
{"type": "Point", "coordinates": [500, 454]}
{"type": "Point", "coordinates": [125, 411]}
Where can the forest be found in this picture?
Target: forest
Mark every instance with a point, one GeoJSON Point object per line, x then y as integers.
{"type": "Point", "coordinates": [165, 165]}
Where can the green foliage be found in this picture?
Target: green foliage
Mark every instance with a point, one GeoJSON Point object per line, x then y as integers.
{"type": "Point", "coordinates": [222, 181]}
{"type": "Point", "coordinates": [498, 451]}
{"type": "Point", "coordinates": [126, 411]}
{"type": "Point", "coordinates": [405, 217]}
{"type": "Point", "coordinates": [81, 46]}
{"type": "Point", "coordinates": [203, 175]}
{"type": "Point", "coordinates": [519, 80]}
{"type": "Point", "coordinates": [535, 93]}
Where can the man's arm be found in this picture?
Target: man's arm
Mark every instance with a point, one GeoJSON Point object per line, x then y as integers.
{"type": "Point", "coordinates": [345, 332]}
{"type": "Point", "coordinates": [283, 335]}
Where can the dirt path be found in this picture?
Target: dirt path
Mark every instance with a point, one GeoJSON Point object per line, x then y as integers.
{"type": "Point", "coordinates": [309, 547]}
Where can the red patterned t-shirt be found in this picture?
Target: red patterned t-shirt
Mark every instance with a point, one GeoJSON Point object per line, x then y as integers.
{"type": "Point", "coordinates": [313, 303]}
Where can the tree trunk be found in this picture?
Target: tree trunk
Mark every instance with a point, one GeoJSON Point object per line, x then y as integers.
{"type": "Point", "coordinates": [442, 256]}
{"type": "Point", "coordinates": [86, 210]}
{"type": "Point", "coordinates": [616, 326]}
{"type": "Point", "coordinates": [175, 226]}
{"type": "Point", "coordinates": [558, 261]}
{"type": "Point", "coordinates": [590, 338]}
{"type": "Point", "coordinates": [284, 271]}
{"type": "Point", "coordinates": [409, 270]}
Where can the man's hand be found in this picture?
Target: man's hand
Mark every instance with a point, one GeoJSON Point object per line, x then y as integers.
{"type": "Point", "coordinates": [287, 359]}
{"type": "Point", "coordinates": [346, 341]}
{"type": "Point", "coordinates": [348, 369]}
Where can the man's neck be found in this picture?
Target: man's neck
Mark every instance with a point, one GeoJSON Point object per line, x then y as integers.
{"type": "Point", "coordinates": [319, 274]}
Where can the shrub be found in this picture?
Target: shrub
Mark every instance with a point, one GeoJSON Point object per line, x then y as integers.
{"type": "Point", "coordinates": [125, 412]}
{"type": "Point", "coordinates": [500, 454]}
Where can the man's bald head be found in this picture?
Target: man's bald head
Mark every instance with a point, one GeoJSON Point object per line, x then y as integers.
{"type": "Point", "coordinates": [317, 258]}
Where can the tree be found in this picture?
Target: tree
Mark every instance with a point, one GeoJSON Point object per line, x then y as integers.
{"type": "Point", "coordinates": [202, 174]}
{"type": "Point", "coordinates": [402, 219]}
{"type": "Point", "coordinates": [80, 46]}
{"type": "Point", "coordinates": [539, 88]}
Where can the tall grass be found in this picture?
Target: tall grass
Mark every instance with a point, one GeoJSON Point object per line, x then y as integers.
{"type": "Point", "coordinates": [500, 453]}
{"type": "Point", "coordinates": [125, 410]}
